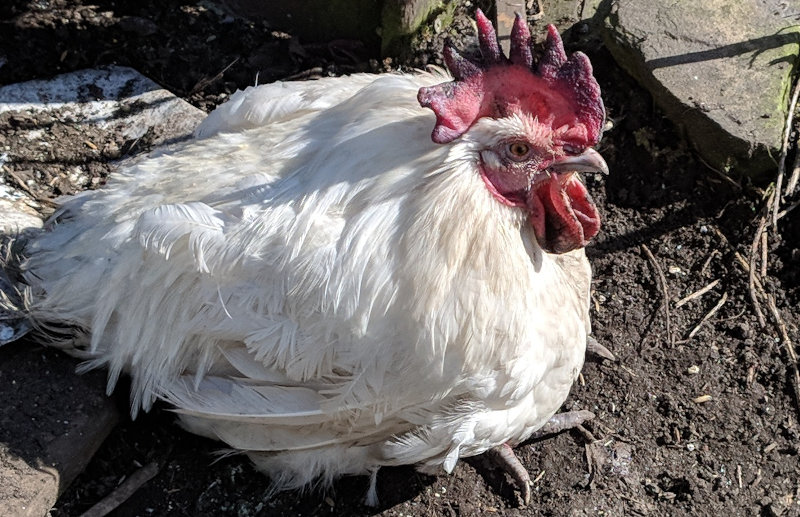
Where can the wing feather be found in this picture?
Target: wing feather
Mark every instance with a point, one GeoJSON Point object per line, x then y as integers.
{"type": "Point", "coordinates": [277, 102]}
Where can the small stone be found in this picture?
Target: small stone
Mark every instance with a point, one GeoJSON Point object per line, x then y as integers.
{"type": "Point", "coordinates": [138, 25]}
{"type": "Point", "coordinates": [693, 370]}
{"type": "Point", "coordinates": [702, 399]}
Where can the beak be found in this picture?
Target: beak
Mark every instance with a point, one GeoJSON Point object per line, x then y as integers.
{"type": "Point", "coordinates": [588, 161]}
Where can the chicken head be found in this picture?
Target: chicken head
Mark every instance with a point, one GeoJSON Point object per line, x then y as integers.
{"type": "Point", "coordinates": [537, 127]}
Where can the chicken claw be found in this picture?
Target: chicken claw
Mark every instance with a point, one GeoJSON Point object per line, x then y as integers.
{"type": "Point", "coordinates": [593, 347]}
{"type": "Point", "coordinates": [504, 457]}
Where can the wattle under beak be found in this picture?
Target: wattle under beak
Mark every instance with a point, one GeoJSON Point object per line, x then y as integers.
{"type": "Point", "coordinates": [588, 161]}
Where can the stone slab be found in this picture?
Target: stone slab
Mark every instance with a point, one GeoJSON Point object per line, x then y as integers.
{"type": "Point", "coordinates": [112, 98]}
{"type": "Point", "coordinates": [720, 69]}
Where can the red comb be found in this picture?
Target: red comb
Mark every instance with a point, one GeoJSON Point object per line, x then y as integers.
{"type": "Point", "coordinates": [560, 90]}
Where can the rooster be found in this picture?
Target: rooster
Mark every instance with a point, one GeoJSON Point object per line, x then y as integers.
{"type": "Point", "coordinates": [320, 284]}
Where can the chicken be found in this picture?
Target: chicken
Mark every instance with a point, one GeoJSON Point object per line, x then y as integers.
{"type": "Point", "coordinates": [319, 283]}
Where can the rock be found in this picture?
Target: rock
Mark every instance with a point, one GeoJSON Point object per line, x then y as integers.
{"type": "Point", "coordinates": [402, 18]}
{"type": "Point", "coordinates": [17, 212]}
{"type": "Point", "coordinates": [504, 22]}
{"type": "Point", "coordinates": [721, 70]}
{"type": "Point", "coordinates": [113, 99]}
{"type": "Point", "coordinates": [51, 419]}
{"type": "Point", "coordinates": [138, 25]}
{"type": "Point", "coordinates": [51, 423]}
{"type": "Point", "coordinates": [564, 14]}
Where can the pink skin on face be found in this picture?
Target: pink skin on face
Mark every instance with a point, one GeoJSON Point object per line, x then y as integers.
{"type": "Point", "coordinates": [559, 208]}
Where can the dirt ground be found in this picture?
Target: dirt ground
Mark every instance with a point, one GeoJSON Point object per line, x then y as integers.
{"type": "Point", "coordinates": [697, 417]}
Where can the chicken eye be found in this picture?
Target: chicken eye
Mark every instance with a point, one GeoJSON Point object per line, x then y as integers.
{"type": "Point", "coordinates": [518, 150]}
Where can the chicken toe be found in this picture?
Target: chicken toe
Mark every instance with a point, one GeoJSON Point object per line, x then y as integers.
{"type": "Point", "coordinates": [563, 421]}
{"type": "Point", "coordinates": [504, 457]}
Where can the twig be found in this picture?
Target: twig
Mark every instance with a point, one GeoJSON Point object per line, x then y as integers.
{"type": "Point", "coordinates": [663, 285]}
{"type": "Point", "coordinates": [697, 294]}
{"type": "Point", "coordinates": [757, 480]}
{"type": "Point", "coordinates": [790, 207]}
{"type": "Point", "coordinates": [110, 502]}
{"type": "Point", "coordinates": [787, 130]}
{"type": "Point", "coordinates": [751, 374]}
{"type": "Point", "coordinates": [738, 256]}
{"type": "Point", "coordinates": [587, 435]}
{"type": "Point", "coordinates": [708, 316]}
{"type": "Point", "coordinates": [708, 261]}
{"type": "Point", "coordinates": [202, 83]}
{"type": "Point", "coordinates": [24, 186]}
{"type": "Point", "coordinates": [795, 174]}
{"type": "Point", "coordinates": [720, 173]}
{"type": "Point", "coordinates": [764, 254]}
{"type": "Point", "coordinates": [778, 320]}
{"type": "Point", "coordinates": [20, 182]}
{"type": "Point", "coordinates": [630, 372]}
{"type": "Point", "coordinates": [787, 343]}
{"type": "Point", "coordinates": [751, 269]}
{"type": "Point", "coordinates": [733, 317]}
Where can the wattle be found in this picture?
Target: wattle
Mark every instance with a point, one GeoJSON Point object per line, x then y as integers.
{"type": "Point", "coordinates": [562, 214]}
{"type": "Point", "coordinates": [560, 210]}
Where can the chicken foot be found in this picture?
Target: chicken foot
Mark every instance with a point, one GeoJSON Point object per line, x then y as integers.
{"type": "Point", "coordinates": [504, 457]}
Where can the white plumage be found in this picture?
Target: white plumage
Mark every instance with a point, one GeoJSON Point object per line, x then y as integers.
{"type": "Point", "coordinates": [315, 282]}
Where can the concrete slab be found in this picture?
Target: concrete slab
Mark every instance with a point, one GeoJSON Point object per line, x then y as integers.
{"type": "Point", "coordinates": [51, 419]}
{"type": "Point", "coordinates": [113, 98]}
{"type": "Point", "coordinates": [720, 69]}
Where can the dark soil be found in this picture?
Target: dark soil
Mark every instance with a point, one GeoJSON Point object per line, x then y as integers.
{"type": "Point", "coordinates": [687, 422]}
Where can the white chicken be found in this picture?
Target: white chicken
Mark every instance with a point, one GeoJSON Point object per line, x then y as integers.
{"type": "Point", "coordinates": [316, 282]}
